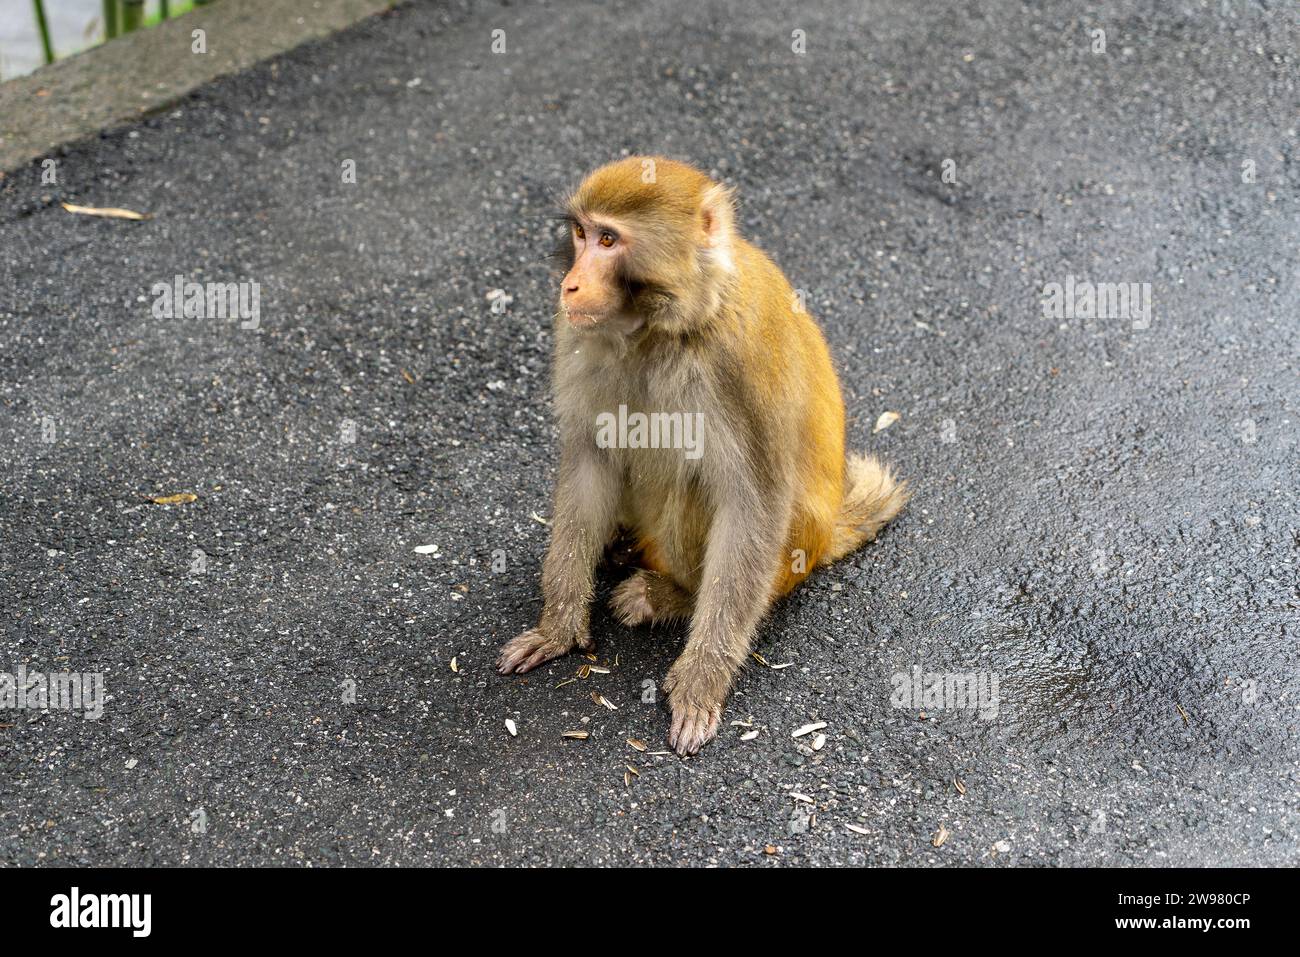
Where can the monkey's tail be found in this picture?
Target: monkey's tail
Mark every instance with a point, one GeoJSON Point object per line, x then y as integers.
{"type": "Point", "coordinates": [872, 496]}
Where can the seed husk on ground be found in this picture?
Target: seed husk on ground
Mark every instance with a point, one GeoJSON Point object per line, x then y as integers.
{"type": "Point", "coordinates": [636, 743]}
{"type": "Point", "coordinates": [510, 726]}
{"type": "Point", "coordinates": [941, 836]}
{"type": "Point", "coordinates": [184, 498]}
{"type": "Point", "coordinates": [577, 735]}
{"type": "Point", "coordinates": [749, 735]}
{"type": "Point", "coordinates": [808, 729]}
{"type": "Point", "coordinates": [109, 212]}
{"type": "Point", "coordinates": [857, 828]}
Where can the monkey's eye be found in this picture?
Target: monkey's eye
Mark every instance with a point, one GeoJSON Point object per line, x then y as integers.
{"type": "Point", "coordinates": [607, 239]}
{"type": "Point", "coordinates": [579, 231]}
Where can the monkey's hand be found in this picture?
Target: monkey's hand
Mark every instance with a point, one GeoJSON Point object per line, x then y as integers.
{"type": "Point", "coordinates": [696, 702]}
{"type": "Point", "coordinates": [535, 646]}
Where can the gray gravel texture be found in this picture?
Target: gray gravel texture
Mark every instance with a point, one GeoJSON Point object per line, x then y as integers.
{"type": "Point", "coordinates": [1105, 515]}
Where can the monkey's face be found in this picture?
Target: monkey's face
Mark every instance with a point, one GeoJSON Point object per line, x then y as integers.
{"type": "Point", "coordinates": [593, 294]}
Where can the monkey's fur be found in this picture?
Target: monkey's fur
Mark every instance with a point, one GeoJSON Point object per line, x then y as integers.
{"type": "Point", "coordinates": [702, 321]}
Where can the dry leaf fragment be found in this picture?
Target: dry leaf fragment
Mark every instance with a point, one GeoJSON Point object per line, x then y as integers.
{"type": "Point", "coordinates": [808, 729]}
{"type": "Point", "coordinates": [636, 743]}
{"type": "Point", "coordinates": [857, 828]}
{"type": "Point", "coordinates": [108, 212]}
{"type": "Point", "coordinates": [576, 735]}
{"type": "Point", "coordinates": [1183, 714]}
{"type": "Point", "coordinates": [885, 421]}
{"type": "Point", "coordinates": [941, 836]}
{"type": "Point", "coordinates": [184, 498]}
{"type": "Point", "coordinates": [510, 726]}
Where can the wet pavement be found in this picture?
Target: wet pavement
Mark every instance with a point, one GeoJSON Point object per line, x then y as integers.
{"type": "Point", "coordinates": [1105, 519]}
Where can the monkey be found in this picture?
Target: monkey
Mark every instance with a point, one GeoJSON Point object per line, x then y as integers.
{"type": "Point", "coordinates": [664, 310]}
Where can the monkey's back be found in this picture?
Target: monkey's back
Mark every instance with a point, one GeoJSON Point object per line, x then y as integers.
{"type": "Point", "coordinates": [796, 364]}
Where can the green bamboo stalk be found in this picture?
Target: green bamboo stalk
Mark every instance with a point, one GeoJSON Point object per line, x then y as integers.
{"type": "Point", "coordinates": [44, 27]}
{"type": "Point", "coordinates": [132, 15]}
{"type": "Point", "coordinates": [110, 19]}
{"type": "Point", "coordinates": [162, 9]}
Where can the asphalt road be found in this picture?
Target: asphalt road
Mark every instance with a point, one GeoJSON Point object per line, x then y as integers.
{"type": "Point", "coordinates": [1105, 518]}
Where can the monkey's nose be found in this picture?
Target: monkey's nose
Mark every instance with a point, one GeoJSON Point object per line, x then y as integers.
{"type": "Point", "coordinates": [570, 288]}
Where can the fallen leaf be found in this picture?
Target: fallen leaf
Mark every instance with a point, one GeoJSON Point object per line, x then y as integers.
{"type": "Point", "coordinates": [885, 421]}
{"type": "Point", "coordinates": [109, 212]}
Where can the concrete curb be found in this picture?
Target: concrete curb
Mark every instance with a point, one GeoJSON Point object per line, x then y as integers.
{"type": "Point", "coordinates": [150, 69]}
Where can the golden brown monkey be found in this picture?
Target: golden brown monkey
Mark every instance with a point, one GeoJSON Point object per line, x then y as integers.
{"type": "Point", "coordinates": [665, 311]}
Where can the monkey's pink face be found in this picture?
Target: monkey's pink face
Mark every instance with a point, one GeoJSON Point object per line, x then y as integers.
{"type": "Point", "coordinates": [592, 292]}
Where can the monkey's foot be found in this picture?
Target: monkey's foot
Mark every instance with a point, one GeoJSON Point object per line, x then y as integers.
{"type": "Point", "coordinates": [696, 708]}
{"type": "Point", "coordinates": [532, 648]}
{"type": "Point", "coordinates": [647, 596]}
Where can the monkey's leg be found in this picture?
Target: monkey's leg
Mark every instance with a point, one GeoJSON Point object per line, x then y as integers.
{"type": "Point", "coordinates": [741, 560]}
{"type": "Point", "coordinates": [648, 596]}
{"type": "Point", "coordinates": [586, 497]}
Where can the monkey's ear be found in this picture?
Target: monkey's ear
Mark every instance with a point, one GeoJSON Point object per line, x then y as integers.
{"type": "Point", "coordinates": [718, 218]}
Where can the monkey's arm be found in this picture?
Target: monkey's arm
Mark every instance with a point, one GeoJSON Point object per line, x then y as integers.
{"type": "Point", "coordinates": [586, 502]}
{"type": "Point", "coordinates": [741, 560]}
